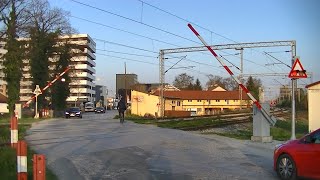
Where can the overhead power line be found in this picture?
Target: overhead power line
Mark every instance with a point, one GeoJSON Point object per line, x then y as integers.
{"type": "Point", "coordinates": [130, 19]}
{"type": "Point", "coordinates": [186, 20]}
{"type": "Point", "coordinates": [123, 45]}
{"type": "Point", "coordinates": [133, 54]}
{"type": "Point", "coordinates": [118, 29]}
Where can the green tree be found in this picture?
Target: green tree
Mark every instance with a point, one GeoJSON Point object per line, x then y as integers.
{"type": "Point", "coordinates": [197, 85]}
{"type": "Point", "coordinates": [253, 86]}
{"type": "Point", "coordinates": [13, 58]}
{"type": "Point", "coordinates": [60, 91]}
{"type": "Point", "coordinates": [41, 48]}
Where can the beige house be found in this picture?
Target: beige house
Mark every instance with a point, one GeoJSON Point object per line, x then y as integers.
{"type": "Point", "coordinates": [314, 105]}
{"type": "Point", "coordinates": [196, 102]}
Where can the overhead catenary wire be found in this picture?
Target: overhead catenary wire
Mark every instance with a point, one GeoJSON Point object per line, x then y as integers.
{"type": "Point", "coordinates": [141, 49]}
{"type": "Point", "coordinates": [147, 62]}
{"type": "Point", "coordinates": [130, 19]}
{"type": "Point", "coordinates": [196, 24]}
{"type": "Point", "coordinates": [153, 39]}
{"type": "Point", "coordinates": [84, 4]}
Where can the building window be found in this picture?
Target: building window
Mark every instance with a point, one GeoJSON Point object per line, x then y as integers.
{"type": "Point", "coordinates": [217, 100]}
{"type": "Point", "coordinates": [199, 109]}
{"type": "Point", "coordinates": [199, 100]}
{"type": "Point", "coordinates": [178, 103]}
{"type": "Point", "coordinates": [235, 100]}
{"type": "Point", "coordinates": [209, 102]}
{"type": "Point", "coordinates": [173, 108]}
{"type": "Point", "coordinates": [189, 100]}
{"type": "Point", "coordinates": [227, 101]}
{"type": "Point", "coordinates": [173, 102]}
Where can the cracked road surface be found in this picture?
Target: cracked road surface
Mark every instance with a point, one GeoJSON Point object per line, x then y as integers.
{"type": "Point", "coordinates": [99, 147]}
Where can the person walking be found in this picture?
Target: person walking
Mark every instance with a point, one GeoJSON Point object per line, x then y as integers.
{"type": "Point", "coordinates": [122, 107]}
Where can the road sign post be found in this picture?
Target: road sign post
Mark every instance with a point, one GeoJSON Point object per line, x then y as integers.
{"type": "Point", "coordinates": [37, 92]}
{"type": "Point", "coordinates": [296, 72]}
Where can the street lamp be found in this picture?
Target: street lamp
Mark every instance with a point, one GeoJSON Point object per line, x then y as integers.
{"type": "Point", "coordinates": [37, 92]}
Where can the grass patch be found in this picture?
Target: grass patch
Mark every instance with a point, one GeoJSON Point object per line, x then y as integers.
{"type": "Point", "coordinates": [22, 120]}
{"type": "Point", "coordinates": [137, 119]}
{"type": "Point", "coordinates": [282, 130]}
{"type": "Point", "coordinates": [190, 123]}
{"type": "Point", "coordinates": [239, 134]}
{"type": "Point", "coordinates": [8, 157]}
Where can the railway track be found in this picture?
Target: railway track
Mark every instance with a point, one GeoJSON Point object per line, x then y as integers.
{"type": "Point", "coordinates": [224, 120]}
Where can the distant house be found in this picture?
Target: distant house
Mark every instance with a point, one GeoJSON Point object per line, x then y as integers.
{"type": "Point", "coordinates": [313, 105]}
{"type": "Point", "coordinates": [3, 104]}
{"type": "Point", "coordinates": [3, 98]}
{"type": "Point", "coordinates": [216, 88]}
{"type": "Point", "coordinates": [197, 102]}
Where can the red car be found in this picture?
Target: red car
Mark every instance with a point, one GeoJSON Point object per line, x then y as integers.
{"type": "Point", "coordinates": [298, 158]}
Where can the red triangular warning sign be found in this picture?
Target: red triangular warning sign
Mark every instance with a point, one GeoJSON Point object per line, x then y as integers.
{"type": "Point", "coordinates": [297, 70]}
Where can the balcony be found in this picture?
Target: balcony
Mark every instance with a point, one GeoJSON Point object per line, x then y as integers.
{"type": "Point", "coordinates": [25, 83]}
{"type": "Point", "coordinates": [93, 56]}
{"type": "Point", "coordinates": [81, 82]}
{"type": "Point", "coordinates": [80, 90]}
{"type": "Point", "coordinates": [25, 91]}
{"type": "Point", "coordinates": [84, 67]}
{"type": "Point", "coordinates": [83, 59]}
{"type": "Point", "coordinates": [83, 75]}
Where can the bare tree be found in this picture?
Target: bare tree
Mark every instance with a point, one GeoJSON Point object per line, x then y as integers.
{"type": "Point", "coordinates": [214, 80]}
{"type": "Point", "coordinates": [6, 10]}
{"type": "Point", "coordinates": [183, 81]}
{"type": "Point", "coordinates": [230, 84]}
{"type": "Point", "coordinates": [43, 26]}
{"type": "Point", "coordinates": [42, 18]}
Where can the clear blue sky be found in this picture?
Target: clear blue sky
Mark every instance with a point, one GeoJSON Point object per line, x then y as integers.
{"type": "Point", "coordinates": [240, 21]}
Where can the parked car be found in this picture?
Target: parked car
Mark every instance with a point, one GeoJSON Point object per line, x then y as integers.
{"type": "Point", "coordinates": [99, 110]}
{"type": "Point", "coordinates": [298, 158]}
{"type": "Point", "coordinates": [73, 112]}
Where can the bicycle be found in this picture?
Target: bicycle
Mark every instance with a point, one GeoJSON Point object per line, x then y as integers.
{"type": "Point", "coordinates": [121, 116]}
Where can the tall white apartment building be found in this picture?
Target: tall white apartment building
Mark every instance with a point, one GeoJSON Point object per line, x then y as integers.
{"type": "Point", "coordinates": [82, 74]}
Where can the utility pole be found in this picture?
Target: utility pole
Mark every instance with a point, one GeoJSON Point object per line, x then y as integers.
{"type": "Point", "coordinates": [293, 108]}
{"type": "Point", "coordinates": [241, 74]}
{"type": "Point", "coordinates": [161, 72]}
{"type": "Point", "coordinates": [125, 81]}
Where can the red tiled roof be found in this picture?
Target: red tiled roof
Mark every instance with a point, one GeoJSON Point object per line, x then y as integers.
{"type": "Point", "coordinates": [313, 84]}
{"type": "Point", "coordinates": [204, 95]}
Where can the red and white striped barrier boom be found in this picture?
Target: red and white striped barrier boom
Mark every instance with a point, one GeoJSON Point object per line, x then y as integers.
{"type": "Point", "coordinates": [269, 118]}
{"type": "Point", "coordinates": [47, 86]}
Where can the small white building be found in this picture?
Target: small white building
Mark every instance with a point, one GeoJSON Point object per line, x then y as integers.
{"type": "Point", "coordinates": [314, 105]}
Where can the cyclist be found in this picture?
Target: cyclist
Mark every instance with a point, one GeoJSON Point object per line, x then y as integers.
{"type": "Point", "coordinates": [122, 107]}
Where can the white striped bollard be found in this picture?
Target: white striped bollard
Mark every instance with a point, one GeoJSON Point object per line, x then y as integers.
{"type": "Point", "coordinates": [14, 131]}
{"type": "Point", "coordinates": [22, 160]}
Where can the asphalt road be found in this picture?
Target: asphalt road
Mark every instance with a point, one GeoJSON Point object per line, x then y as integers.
{"type": "Point", "coordinates": [99, 147]}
